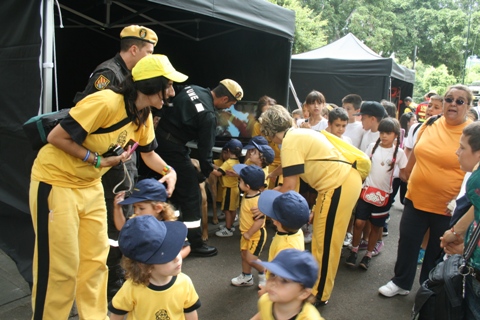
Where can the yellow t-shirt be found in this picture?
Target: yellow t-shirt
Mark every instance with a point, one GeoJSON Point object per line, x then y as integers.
{"type": "Point", "coordinates": [246, 217]}
{"type": "Point", "coordinates": [282, 241]}
{"type": "Point", "coordinates": [98, 110]}
{"type": "Point", "coordinates": [265, 307]}
{"type": "Point", "coordinates": [308, 153]}
{"type": "Point", "coordinates": [227, 181]}
{"type": "Point", "coordinates": [436, 177]}
{"type": "Point", "coordinates": [170, 301]}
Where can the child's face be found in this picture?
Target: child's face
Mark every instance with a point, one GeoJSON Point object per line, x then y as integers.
{"type": "Point", "coordinates": [168, 269]}
{"type": "Point", "coordinates": [468, 159]}
{"type": "Point", "coordinates": [147, 208]}
{"type": "Point", "coordinates": [387, 138]}
{"type": "Point", "coordinates": [338, 127]}
{"type": "Point", "coordinates": [306, 113]}
{"type": "Point", "coordinates": [255, 157]}
{"type": "Point", "coordinates": [281, 290]}
{"type": "Point", "coordinates": [296, 117]}
{"type": "Point", "coordinates": [350, 110]}
{"type": "Point", "coordinates": [224, 155]}
{"type": "Point", "coordinates": [434, 107]}
{"type": "Point", "coordinates": [315, 108]}
{"type": "Point", "coordinates": [412, 121]}
{"type": "Point", "coordinates": [242, 185]}
{"type": "Point", "coordinates": [367, 121]}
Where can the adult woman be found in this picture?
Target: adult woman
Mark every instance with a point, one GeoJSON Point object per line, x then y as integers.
{"type": "Point", "coordinates": [469, 157]}
{"type": "Point", "coordinates": [434, 181]}
{"type": "Point", "coordinates": [307, 154]}
{"type": "Point", "coordinates": [66, 194]}
{"type": "Point", "coordinates": [315, 102]}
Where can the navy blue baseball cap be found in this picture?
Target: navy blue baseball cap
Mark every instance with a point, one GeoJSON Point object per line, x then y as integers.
{"type": "Point", "coordinates": [266, 151]}
{"type": "Point", "coordinates": [148, 240]}
{"type": "Point", "coordinates": [147, 190]}
{"type": "Point", "coordinates": [252, 175]}
{"type": "Point", "coordinates": [295, 265]}
{"type": "Point", "coordinates": [258, 140]}
{"type": "Point", "coordinates": [289, 208]}
{"type": "Point", "coordinates": [372, 108]}
{"type": "Point", "coordinates": [233, 144]}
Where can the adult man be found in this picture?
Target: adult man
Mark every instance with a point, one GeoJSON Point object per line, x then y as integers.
{"type": "Point", "coordinates": [136, 42]}
{"type": "Point", "coordinates": [192, 117]}
{"type": "Point", "coordinates": [410, 106]}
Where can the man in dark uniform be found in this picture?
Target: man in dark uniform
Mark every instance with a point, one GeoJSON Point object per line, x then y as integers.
{"type": "Point", "coordinates": [192, 117]}
{"type": "Point", "coordinates": [136, 42]}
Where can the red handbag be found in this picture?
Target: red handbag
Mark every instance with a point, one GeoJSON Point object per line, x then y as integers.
{"type": "Point", "coordinates": [374, 196]}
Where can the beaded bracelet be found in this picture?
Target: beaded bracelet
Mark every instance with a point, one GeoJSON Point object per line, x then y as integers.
{"type": "Point", "coordinates": [95, 158]}
{"type": "Point", "coordinates": [166, 169]}
{"type": "Point", "coordinates": [99, 159]}
{"type": "Point", "coordinates": [86, 156]}
{"type": "Point", "coordinates": [456, 234]}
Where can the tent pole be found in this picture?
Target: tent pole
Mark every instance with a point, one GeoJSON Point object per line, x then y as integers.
{"type": "Point", "coordinates": [47, 65]}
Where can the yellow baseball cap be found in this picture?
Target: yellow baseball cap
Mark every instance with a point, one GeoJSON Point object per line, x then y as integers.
{"type": "Point", "coordinates": [156, 65]}
{"type": "Point", "coordinates": [234, 88]}
{"type": "Point", "coordinates": [139, 32]}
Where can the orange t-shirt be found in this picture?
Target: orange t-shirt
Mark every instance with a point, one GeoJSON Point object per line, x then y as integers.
{"type": "Point", "coordinates": [436, 177]}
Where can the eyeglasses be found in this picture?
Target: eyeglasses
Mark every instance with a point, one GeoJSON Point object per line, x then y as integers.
{"type": "Point", "coordinates": [458, 102]}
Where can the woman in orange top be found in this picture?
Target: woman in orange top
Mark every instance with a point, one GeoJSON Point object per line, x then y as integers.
{"type": "Point", "coordinates": [434, 181]}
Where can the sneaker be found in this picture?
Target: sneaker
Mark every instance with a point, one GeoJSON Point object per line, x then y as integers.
{"type": "Point", "coordinates": [221, 216]}
{"type": "Point", "coordinates": [352, 259]}
{"type": "Point", "coordinates": [348, 239]}
{"type": "Point", "coordinates": [223, 233]}
{"type": "Point", "coordinates": [385, 231]}
{"type": "Point", "coordinates": [378, 248]}
{"type": "Point", "coordinates": [222, 226]}
{"type": "Point", "coordinates": [262, 281]}
{"type": "Point", "coordinates": [363, 245]}
{"type": "Point", "coordinates": [365, 262]}
{"type": "Point", "coordinates": [391, 289]}
{"type": "Point", "coordinates": [421, 255]}
{"type": "Point", "coordinates": [242, 281]}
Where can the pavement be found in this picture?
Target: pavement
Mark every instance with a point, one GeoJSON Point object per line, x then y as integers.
{"type": "Point", "coordinates": [355, 295]}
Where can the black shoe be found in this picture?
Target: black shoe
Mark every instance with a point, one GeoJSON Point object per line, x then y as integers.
{"type": "Point", "coordinates": [352, 259]}
{"type": "Point", "coordinates": [319, 303]}
{"type": "Point", "coordinates": [204, 251]}
{"type": "Point", "coordinates": [365, 262]}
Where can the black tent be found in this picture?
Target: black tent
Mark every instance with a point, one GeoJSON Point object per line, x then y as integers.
{"type": "Point", "coordinates": [349, 66]}
{"type": "Point", "coordinates": [43, 65]}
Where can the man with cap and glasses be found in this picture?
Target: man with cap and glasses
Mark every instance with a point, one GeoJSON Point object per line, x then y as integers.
{"type": "Point", "coordinates": [136, 42]}
{"type": "Point", "coordinates": [192, 117]}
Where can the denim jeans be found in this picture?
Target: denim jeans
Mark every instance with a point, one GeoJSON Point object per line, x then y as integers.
{"type": "Point", "coordinates": [472, 298]}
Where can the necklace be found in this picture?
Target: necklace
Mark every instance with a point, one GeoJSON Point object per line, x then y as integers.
{"type": "Point", "coordinates": [381, 156]}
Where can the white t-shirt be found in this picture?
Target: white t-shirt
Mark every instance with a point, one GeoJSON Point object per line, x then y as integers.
{"type": "Point", "coordinates": [368, 138]}
{"type": "Point", "coordinates": [355, 132]}
{"type": "Point", "coordinates": [321, 125]}
{"type": "Point", "coordinates": [347, 139]}
{"type": "Point", "coordinates": [411, 138]}
{"type": "Point", "coordinates": [379, 176]}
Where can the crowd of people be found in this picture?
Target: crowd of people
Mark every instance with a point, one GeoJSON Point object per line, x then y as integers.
{"type": "Point", "coordinates": [293, 174]}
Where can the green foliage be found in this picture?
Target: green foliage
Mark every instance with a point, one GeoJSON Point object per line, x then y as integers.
{"type": "Point", "coordinates": [473, 74]}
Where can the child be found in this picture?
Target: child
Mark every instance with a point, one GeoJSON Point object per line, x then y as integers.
{"type": "Point", "coordinates": [156, 288]}
{"type": "Point", "coordinates": [297, 114]}
{"type": "Point", "coordinates": [259, 153]}
{"type": "Point", "coordinates": [351, 103]}
{"type": "Point", "coordinates": [289, 288]}
{"type": "Point", "coordinates": [231, 193]}
{"type": "Point", "coordinates": [148, 197]}
{"type": "Point", "coordinates": [385, 155]}
{"type": "Point", "coordinates": [254, 235]}
{"type": "Point", "coordinates": [315, 103]}
{"type": "Point", "coordinates": [337, 123]}
{"type": "Point", "coordinates": [216, 164]}
{"type": "Point", "coordinates": [289, 211]}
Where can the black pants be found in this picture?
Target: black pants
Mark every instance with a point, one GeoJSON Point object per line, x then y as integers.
{"type": "Point", "coordinates": [186, 197]}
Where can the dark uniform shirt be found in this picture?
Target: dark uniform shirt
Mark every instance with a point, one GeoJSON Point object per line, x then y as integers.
{"type": "Point", "coordinates": [109, 73]}
{"type": "Point", "coordinates": [192, 117]}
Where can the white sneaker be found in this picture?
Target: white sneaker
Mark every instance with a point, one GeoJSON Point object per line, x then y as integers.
{"type": "Point", "coordinates": [242, 281]}
{"type": "Point", "coordinates": [391, 289]}
{"type": "Point", "coordinates": [348, 239]}
{"type": "Point", "coordinates": [222, 226]}
{"type": "Point", "coordinates": [262, 281]}
{"type": "Point", "coordinates": [221, 216]}
{"type": "Point", "coordinates": [378, 248]}
{"type": "Point", "coordinates": [223, 233]}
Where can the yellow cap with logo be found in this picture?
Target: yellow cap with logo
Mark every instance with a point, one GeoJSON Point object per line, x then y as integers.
{"type": "Point", "coordinates": [139, 32]}
{"type": "Point", "coordinates": [156, 65]}
{"type": "Point", "coordinates": [234, 88]}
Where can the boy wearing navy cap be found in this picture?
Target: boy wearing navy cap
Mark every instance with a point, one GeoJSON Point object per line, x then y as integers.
{"type": "Point", "coordinates": [156, 288]}
{"type": "Point", "coordinates": [259, 153]}
{"type": "Point", "coordinates": [289, 288]}
{"type": "Point", "coordinates": [289, 212]}
{"type": "Point", "coordinates": [254, 235]}
{"type": "Point", "coordinates": [231, 193]}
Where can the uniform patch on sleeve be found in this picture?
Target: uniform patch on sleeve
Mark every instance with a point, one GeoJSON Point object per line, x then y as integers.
{"type": "Point", "coordinates": [199, 107]}
{"type": "Point", "coordinates": [101, 82]}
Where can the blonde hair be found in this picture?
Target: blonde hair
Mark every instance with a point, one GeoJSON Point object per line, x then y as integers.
{"type": "Point", "coordinates": [275, 119]}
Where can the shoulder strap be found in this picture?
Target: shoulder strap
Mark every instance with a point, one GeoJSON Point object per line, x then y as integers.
{"type": "Point", "coordinates": [113, 127]}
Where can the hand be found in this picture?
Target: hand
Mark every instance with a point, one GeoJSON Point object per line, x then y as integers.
{"type": "Point", "coordinates": [246, 235]}
{"type": "Point", "coordinates": [257, 214]}
{"type": "Point", "coordinates": [405, 175]}
{"type": "Point", "coordinates": [114, 160]}
{"type": "Point", "coordinates": [449, 238]}
{"type": "Point", "coordinates": [450, 207]}
{"type": "Point", "coordinates": [310, 219]}
{"type": "Point", "coordinates": [452, 248]}
{"type": "Point", "coordinates": [223, 118]}
{"type": "Point", "coordinates": [119, 197]}
{"type": "Point", "coordinates": [231, 173]}
{"type": "Point", "coordinates": [305, 125]}
{"type": "Point", "coordinates": [170, 179]}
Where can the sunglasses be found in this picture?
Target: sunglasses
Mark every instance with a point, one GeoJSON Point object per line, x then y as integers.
{"type": "Point", "coordinates": [458, 102]}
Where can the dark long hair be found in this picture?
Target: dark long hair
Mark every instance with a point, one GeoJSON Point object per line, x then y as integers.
{"type": "Point", "coordinates": [405, 119]}
{"type": "Point", "coordinates": [128, 88]}
{"type": "Point", "coordinates": [389, 125]}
